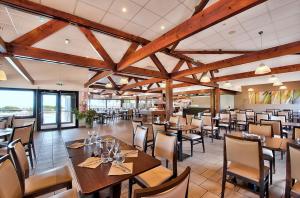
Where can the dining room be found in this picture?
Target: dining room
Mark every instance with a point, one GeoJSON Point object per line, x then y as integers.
{"type": "Point", "coordinates": [149, 98]}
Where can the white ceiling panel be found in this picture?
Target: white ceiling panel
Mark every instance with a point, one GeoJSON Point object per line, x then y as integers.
{"type": "Point", "coordinates": [66, 6]}
{"type": "Point", "coordinates": [131, 9]}
{"type": "Point", "coordinates": [134, 28]}
{"type": "Point", "coordinates": [89, 11]}
{"type": "Point", "coordinates": [179, 14]}
{"type": "Point", "coordinates": [161, 7]}
{"type": "Point", "coordinates": [104, 5]}
{"type": "Point", "coordinates": [114, 21]}
{"type": "Point", "coordinates": [146, 18]}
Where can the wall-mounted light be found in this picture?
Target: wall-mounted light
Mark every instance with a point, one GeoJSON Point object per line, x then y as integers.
{"type": "Point", "coordinates": [250, 89]}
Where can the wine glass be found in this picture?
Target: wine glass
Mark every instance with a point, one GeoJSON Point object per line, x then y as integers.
{"type": "Point", "coordinates": [90, 137]}
{"type": "Point", "coordinates": [109, 147]}
{"type": "Point", "coordinates": [116, 148]}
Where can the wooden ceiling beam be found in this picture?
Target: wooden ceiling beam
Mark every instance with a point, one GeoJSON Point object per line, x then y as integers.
{"type": "Point", "coordinates": [173, 86]}
{"type": "Point", "coordinates": [130, 50]}
{"type": "Point", "coordinates": [97, 77]}
{"type": "Point", "coordinates": [96, 86]}
{"type": "Point", "coordinates": [274, 70]}
{"type": "Point", "coordinates": [217, 12]}
{"type": "Point", "coordinates": [112, 82]}
{"type": "Point", "coordinates": [128, 76]}
{"type": "Point", "coordinates": [190, 66]}
{"type": "Point", "coordinates": [201, 91]}
{"type": "Point", "coordinates": [178, 66]}
{"type": "Point", "coordinates": [213, 51]}
{"type": "Point", "coordinates": [143, 72]}
{"type": "Point", "coordinates": [40, 32]}
{"type": "Point", "coordinates": [195, 82]}
{"type": "Point", "coordinates": [159, 65]}
{"type": "Point", "coordinates": [286, 49]}
{"type": "Point", "coordinates": [97, 46]}
{"type": "Point", "coordinates": [141, 83]}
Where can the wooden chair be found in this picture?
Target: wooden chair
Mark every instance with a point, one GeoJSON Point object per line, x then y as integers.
{"type": "Point", "coordinates": [140, 138]}
{"type": "Point", "coordinates": [248, 167]}
{"type": "Point", "coordinates": [209, 127]}
{"type": "Point", "coordinates": [292, 188]}
{"type": "Point", "coordinates": [250, 116]}
{"type": "Point", "coordinates": [135, 123]}
{"type": "Point", "coordinates": [276, 127]}
{"type": "Point", "coordinates": [296, 133]}
{"type": "Point", "coordinates": [174, 119]}
{"type": "Point", "coordinates": [158, 127]}
{"type": "Point", "coordinates": [225, 122]}
{"type": "Point", "coordinates": [284, 113]}
{"type": "Point", "coordinates": [282, 119]}
{"type": "Point", "coordinates": [10, 184]}
{"type": "Point", "coordinates": [165, 147]}
{"type": "Point", "coordinates": [268, 155]}
{"type": "Point", "coordinates": [42, 183]}
{"type": "Point", "coordinates": [241, 120]}
{"type": "Point", "coordinates": [261, 116]}
{"type": "Point", "coordinates": [177, 187]}
{"type": "Point", "coordinates": [189, 118]}
{"type": "Point", "coordinates": [195, 136]}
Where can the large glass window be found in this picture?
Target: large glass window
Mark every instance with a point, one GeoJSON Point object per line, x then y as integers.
{"type": "Point", "coordinates": [95, 104]}
{"type": "Point", "coordinates": [16, 102]}
{"type": "Point", "coordinates": [113, 104]}
{"type": "Point", "coordinates": [129, 104]}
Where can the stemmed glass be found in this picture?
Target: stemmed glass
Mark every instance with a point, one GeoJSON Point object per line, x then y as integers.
{"type": "Point", "coordinates": [90, 137]}
{"type": "Point", "coordinates": [109, 147]}
{"type": "Point", "coordinates": [116, 148]}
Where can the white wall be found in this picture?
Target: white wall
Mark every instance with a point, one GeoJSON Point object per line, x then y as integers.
{"type": "Point", "coordinates": [226, 100]}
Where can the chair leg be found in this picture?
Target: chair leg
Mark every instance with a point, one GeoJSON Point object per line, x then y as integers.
{"type": "Point", "coordinates": [192, 145]}
{"type": "Point", "coordinates": [30, 156]}
{"type": "Point", "coordinates": [273, 162]}
{"type": "Point", "coordinates": [33, 149]}
{"type": "Point", "coordinates": [203, 146]}
{"type": "Point", "coordinates": [271, 171]}
{"type": "Point", "coordinates": [262, 191]}
{"type": "Point", "coordinates": [130, 183]}
{"type": "Point", "coordinates": [223, 185]}
{"type": "Point", "coordinates": [267, 190]}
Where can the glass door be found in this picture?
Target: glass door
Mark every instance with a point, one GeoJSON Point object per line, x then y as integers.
{"type": "Point", "coordinates": [49, 109]}
{"type": "Point", "coordinates": [67, 105]}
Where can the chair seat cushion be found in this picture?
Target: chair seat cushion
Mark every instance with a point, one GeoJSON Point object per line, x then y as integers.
{"type": "Point", "coordinates": [268, 152]}
{"type": "Point", "coordinates": [296, 188]}
{"type": "Point", "coordinates": [67, 194]}
{"type": "Point", "coordinates": [155, 176]}
{"type": "Point", "coordinates": [209, 128]}
{"type": "Point", "coordinates": [223, 125]}
{"type": "Point", "coordinates": [51, 178]}
{"type": "Point", "coordinates": [191, 136]}
{"type": "Point", "coordinates": [241, 122]}
{"type": "Point", "coordinates": [246, 171]}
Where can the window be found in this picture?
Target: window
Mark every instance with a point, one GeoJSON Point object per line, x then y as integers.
{"type": "Point", "coordinates": [16, 102]}
{"type": "Point", "coordinates": [113, 104]}
{"type": "Point", "coordinates": [94, 103]}
{"type": "Point", "coordinates": [129, 104]}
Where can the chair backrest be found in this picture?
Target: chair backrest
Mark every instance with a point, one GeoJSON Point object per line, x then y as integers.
{"type": "Point", "coordinates": [284, 113]}
{"type": "Point", "coordinates": [17, 151]}
{"type": "Point", "coordinates": [261, 130]}
{"type": "Point", "coordinates": [189, 118]}
{"type": "Point", "coordinates": [206, 120]}
{"type": "Point", "coordinates": [261, 116]}
{"type": "Point", "coordinates": [281, 118]}
{"type": "Point", "coordinates": [158, 128]}
{"type": "Point", "coordinates": [136, 123]}
{"type": "Point", "coordinates": [250, 113]}
{"type": "Point", "coordinates": [296, 133]}
{"type": "Point", "coordinates": [10, 120]}
{"type": "Point", "coordinates": [3, 124]}
{"type": "Point", "coordinates": [165, 147]}
{"type": "Point", "coordinates": [130, 112]}
{"type": "Point", "coordinates": [276, 126]}
{"type": "Point", "coordinates": [177, 187]}
{"type": "Point", "coordinates": [182, 121]}
{"type": "Point", "coordinates": [174, 119]}
{"type": "Point", "coordinates": [241, 117]}
{"type": "Point", "coordinates": [252, 152]}
{"type": "Point", "coordinates": [225, 117]}
{"type": "Point", "coordinates": [140, 138]}
{"type": "Point", "coordinates": [293, 162]}
{"type": "Point", "coordinates": [196, 122]}
{"type": "Point", "coordinates": [24, 133]}
{"type": "Point", "coordinates": [10, 186]}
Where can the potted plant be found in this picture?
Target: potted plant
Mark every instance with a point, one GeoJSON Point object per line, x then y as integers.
{"type": "Point", "coordinates": [86, 116]}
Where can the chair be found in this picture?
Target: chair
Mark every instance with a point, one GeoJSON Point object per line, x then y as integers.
{"type": "Point", "coordinates": [140, 138]}
{"type": "Point", "coordinates": [269, 155]}
{"type": "Point", "coordinates": [284, 113]}
{"type": "Point", "coordinates": [282, 118]}
{"type": "Point", "coordinates": [174, 119]}
{"type": "Point", "coordinates": [250, 116]}
{"type": "Point", "coordinates": [158, 127]}
{"type": "Point", "coordinates": [25, 133]}
{"type": "Point", "coordinates": [241, 120]}
{"type": "Point", "coordinates": [135, 123]}
{"type": "Point", "coordinates": [248, 167]}
{"type": "Point", "coordinates": [189, 119]}
{"type": "Point", "coordinates": [165, 147]}
{"type": "Point", "coordinates": [296, 133]}
{"type": "Point", "coordinates": [276, 127]}
{"type": "Point", "coordinates": [10, 185]}
{"type": "Point", "coordinates": [130, 114]}
{"type": "Point", "coordinates": [42, 183]}
{"type": "Point", "coordinates": [9, 123]}
{"type": "Point", "coordinates": [177, 187]}
{"type": "Point", "coordinates": [208, 126]}
{"type": "Point", "coordinates": [292, 188]}
{"type": "Point", "coordinates": [195, 136]}
{"type": "Point", "coordinates": [261, 116]}
{"type": "Point", "coordinates": [225, 121]}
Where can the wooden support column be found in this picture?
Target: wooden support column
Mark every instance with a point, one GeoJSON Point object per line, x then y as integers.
{"type": "Point", "coordinates": [212, 101]}
{"type": "Point", "coordinates": [169, 99]}
{"type": "Point", "coordinates": [137, 101]}
{"type": "Point", "coordinates": [217, 100]}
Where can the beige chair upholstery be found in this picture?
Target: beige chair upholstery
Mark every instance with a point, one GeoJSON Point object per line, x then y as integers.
{"type": "Point", "coordinates": [261, 130]}
{"type": "Point", "coordinates": [295, 163]}
{"type": "Point", "coordinates": [281, 118]}
{"type": "Point", "coordinates": [283, 113]}
{"type": "Point", "coordinates": [9, 182]}
{"type": "Point", "coordinates": [296, 133]}
{"type": "Point", "coordinates": [135, 124]}
{"type": "Point", "coordinates": [260, 116]}
{"type": "Point", "coordinates": [22, 133]}
{"type": "Point", "coordinates": [182, 121]}
{"type": "Point", "coordinates": [276, 126]}
{"type": "Point", "coordinates": [140, 138]}
{"type": "Point", "coordinates": [42, 183]}
{"type": "Point", "coordinates": [189, 118]}
{"type": "Point", "coordinates": [241, 118]}
{"type": "Point", "coordinates": [164, 149]}
{"type": "Point", "coordinates": [196, 122]}
{"type": "Point", "coordinates": [174, 119]}
{"type": "Point", "coordinates": [292, 171]}
{"type": "Point", "coordinates": [158, 128]}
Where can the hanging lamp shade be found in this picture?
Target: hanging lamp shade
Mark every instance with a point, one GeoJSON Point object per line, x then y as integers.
{"type": "Point", "coordinates": [205, 78]}
{"type": "Point", "coordinates": [250, 89]}
{"type": "Point", "coordinates": [262, 69]}
{"type": "Point", "coordinates": [108, 85]}
{"type": "Point", "coordinates": [227, 84]}
{"type": "Point", "coordinates": [124, 81]}
{"type": "Point", "coordinates": [282, 87]}
{"type": "Point", "coordinates": [2, 75]}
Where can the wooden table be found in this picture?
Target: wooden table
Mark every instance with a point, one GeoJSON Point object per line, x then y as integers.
{"type": "Point", "coordinates": [92, 181]}
{"type": "Point", "coordinates": [179, 130]}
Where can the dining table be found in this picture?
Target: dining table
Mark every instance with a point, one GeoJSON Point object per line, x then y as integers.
{"type": "Point", "coordinates": [94, 181]}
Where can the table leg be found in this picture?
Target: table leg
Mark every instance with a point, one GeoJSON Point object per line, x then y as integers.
{"type": "Point", "coordinates": [179, 137]}
{"type": "Point", "coordinates": [116, 191]}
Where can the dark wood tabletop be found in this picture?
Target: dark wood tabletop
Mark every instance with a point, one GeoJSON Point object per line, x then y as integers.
{"type": "Point", "coordinates": [183, 127]}
{"type": "Point", "coordinates": [94, 180]}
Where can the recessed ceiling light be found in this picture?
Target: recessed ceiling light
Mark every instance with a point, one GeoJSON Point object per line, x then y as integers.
{"type": "Point", "coordinates": [124, 9]}
{"type": "Point", "coordinates": [67, 41]}
{"type": "Point", "coordinates": [162, 27]}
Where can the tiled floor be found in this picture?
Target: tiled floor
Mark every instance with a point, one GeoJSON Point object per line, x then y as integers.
{"type": "Point", "coordinates": [206, 167]}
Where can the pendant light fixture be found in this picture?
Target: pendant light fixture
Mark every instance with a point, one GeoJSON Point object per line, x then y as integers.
{"type": "Point", "coordinates": [108, 85]}
{"type": "Point", "coordinates": [123, 81]}
{"type": "Point", "coordinates": [282, 87]}
{"type": "Point", "coordinates": [277, 83]}
{"type": "Point", "coordinates": [205, 78]}
{"type": "Point", "coordinates": [262, 68]}
{"type": "Point", "coordinates": [227, 84]}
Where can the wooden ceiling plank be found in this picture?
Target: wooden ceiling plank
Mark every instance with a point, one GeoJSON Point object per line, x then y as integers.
{"type": "Point", "coordinates": [213, 51]}
{"type": "Point", "coordinates": [17, 65]}
{"type": "Point", "coordinates": [133, 46]}
{"type": "Point", "coordinates": [112, 82]}
{"type": "Point", "coordinates": [97, 46]}
{"type": "Point", "coordinates": [96, 86]}
{"type": "Point", "coordinates": [141, 83]}
{"type": "Point", "coordinates": [143, 72]}
{"type": "Point", "coordinates": [195, 82]}
{"type": "Point", "coordinates": [217, 12]}
{"type": "Point", "coordinates": [97, 77]}
{"type": "Point", "coordinates": [40, 32]}
{"type": "Point", "coordinates": [275, 70]}
{"type": "Point", "coordinates": [178, 66]}
{"type": "Point", "coordinates": [190, 66]}
{"type": "Point", "coordinates": [286, 49]}
{"type": "Point", "coordinates": [159, 65]}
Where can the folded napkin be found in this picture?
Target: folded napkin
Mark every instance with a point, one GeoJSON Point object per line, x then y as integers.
{"type": "Point", "coordinates": [91, 162]}
{"type": "Point", "coordinates": [76, 145]}
{"type": "Point", "coordinates": [130, 153]}
{"type": "Point", "coordinates": [120, 169]}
